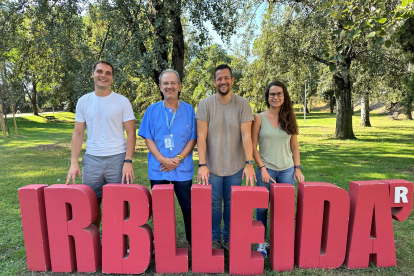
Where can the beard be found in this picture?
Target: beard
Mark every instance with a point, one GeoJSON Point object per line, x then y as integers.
{"type": "Point", "coordinates": [225, 92]}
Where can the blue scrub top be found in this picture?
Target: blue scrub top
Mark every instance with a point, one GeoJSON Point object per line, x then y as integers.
{"type": "Point", "coordinates": [154, 126]}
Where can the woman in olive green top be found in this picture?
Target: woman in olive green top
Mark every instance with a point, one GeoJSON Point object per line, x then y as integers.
{"type": "Point", "coordinates": [278, 157]}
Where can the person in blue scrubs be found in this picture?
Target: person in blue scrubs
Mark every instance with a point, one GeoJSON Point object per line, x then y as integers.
{"type": "Point", "coordinates": [169, 130]}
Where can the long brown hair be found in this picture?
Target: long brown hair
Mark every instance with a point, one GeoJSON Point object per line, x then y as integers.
{"type": "Point", "coordinates": [287, 117]}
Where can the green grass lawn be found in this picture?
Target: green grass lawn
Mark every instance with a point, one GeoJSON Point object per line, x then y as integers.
{"type": "Point", "coordinates": [41, 155]}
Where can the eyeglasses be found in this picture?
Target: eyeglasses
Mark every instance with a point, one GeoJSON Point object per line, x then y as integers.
{"type": "Point", "coordinates": [272, 95]}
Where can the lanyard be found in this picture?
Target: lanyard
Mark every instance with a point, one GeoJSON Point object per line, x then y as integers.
{"type": "Point", "coordinates": [173, 117]}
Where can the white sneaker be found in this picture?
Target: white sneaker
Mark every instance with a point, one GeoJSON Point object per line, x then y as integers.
{"type": "Point", "coordinates": [263, 249]}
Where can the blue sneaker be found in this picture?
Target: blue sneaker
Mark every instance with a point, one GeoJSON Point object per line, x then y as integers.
{"type": "Point", "coordinates": [263, 249]}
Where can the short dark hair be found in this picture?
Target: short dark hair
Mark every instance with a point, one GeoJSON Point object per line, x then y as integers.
{"type": "Point", "coordinates": [104, 62]}
{"type": "Point", "coordinates": [221, 67]}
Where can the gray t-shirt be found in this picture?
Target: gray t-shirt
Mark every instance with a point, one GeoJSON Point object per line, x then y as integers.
{"type": "Point", "coordinates": [224, 153]}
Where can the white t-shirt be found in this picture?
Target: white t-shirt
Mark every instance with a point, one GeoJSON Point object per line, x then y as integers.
{"type": "Point", "coordinates": [104, 118]}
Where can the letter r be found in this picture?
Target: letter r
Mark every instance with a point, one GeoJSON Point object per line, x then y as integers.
{"type": "Point", "coordinates": [400, 194]}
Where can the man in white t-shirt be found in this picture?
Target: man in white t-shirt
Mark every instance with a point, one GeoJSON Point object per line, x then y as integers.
{"type": "Point", "coordinates": [105, 115]}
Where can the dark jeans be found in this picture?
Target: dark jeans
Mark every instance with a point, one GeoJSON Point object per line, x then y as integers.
{"type": "Point", "coordinates": [182, 190]}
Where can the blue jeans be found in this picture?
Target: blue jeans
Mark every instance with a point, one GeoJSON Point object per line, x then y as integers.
{"type": "Point", "coordinates": [285, 176]}
{"type": "Point", "coordinates": [182, 190]}
{"type": "Point", "coordinates": [221, 191]}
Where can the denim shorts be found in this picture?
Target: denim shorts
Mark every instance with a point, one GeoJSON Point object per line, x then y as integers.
{"type": "Point", "coordinates": [100, 170]}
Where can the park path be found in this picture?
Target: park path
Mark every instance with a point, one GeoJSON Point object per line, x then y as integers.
{"type": "Point", "coordinates": [31, 114]}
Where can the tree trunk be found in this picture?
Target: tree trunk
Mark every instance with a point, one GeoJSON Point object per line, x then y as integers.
{"type": "Point", "coordinates": [177, 56]}
{"type": "Point", "coordinates": [332, 104]}
{"type": "Point", "coordinates": [7, 123]}
{"type": "Point", "coordinates": [342, 87]}
{"type": "Point", "coordinates": [34, 99]}
{"type": "Point", "coordinates": [365, 111]}
{"type": "Point", "coordinates": [71, 105]}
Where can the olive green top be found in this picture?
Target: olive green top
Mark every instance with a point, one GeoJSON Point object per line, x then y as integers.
{"type": "Point", "coordinates": [274, 146]}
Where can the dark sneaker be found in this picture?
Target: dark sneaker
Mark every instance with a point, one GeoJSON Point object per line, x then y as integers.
{"type": "Point", "coordinates": [216, 245]}
{"type": "Point", "coordinates": [226, 245]}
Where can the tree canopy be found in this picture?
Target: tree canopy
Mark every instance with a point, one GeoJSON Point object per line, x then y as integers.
{"type": "Point", "coordinates": [342, 50]}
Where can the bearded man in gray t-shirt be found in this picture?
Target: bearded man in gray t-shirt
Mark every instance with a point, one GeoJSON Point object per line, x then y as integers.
{"type": "Point", "coordinates": [224, 142]}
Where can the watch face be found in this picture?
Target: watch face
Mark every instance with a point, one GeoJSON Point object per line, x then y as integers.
{"type": "Point", "coordinates": [250, 162]}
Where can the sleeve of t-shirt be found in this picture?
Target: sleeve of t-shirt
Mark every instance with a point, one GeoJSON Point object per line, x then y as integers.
{"type": "Point", "coordinates": [247, 114]}
{"type": "Point", "coordinates": [193, 125]}
{"type": "Point", "coordinates": [128, 112]}
{"type": "Point", "coordinates": [202, 111]}
{"type": "Point", "coordinates": [80, 108]}
{"type": "Point", "coordinates": [144, 129]}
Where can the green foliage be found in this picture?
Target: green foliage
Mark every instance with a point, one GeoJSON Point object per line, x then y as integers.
{"type": "Point", "coordinates": [323, 42]}
{"type": "Point", "coordinates": [199, 73]}
{"type": "Point", "coordinates": [50, 46]}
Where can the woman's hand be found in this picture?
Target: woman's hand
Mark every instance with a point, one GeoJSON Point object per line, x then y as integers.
{"type": "Point", "coordinates": [298, 176]}
{"type": "Point", "coordinates": [265, 176]}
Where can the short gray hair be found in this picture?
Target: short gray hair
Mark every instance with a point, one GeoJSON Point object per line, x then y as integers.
{"type": "Point", "coordinates": [168, 71]}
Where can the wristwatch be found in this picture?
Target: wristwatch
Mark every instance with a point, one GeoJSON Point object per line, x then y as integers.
{"type": "Point", "coordinates": [298, 167]}
{"type": "Point", "coordinates": [127, 161]}
{"type": "Point", "coordinates": [249, 162]}
{"type": "Point", "coordinates": [202, 165]}
{"type": "Point", "coordinates": [181, 158]}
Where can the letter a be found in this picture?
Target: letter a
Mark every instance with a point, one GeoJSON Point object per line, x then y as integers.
{"type": "Point", "coordinates": [370, 235]}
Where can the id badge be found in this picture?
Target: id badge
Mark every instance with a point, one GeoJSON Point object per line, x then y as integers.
{"type": "Point", "coordinates": [169, 141]}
